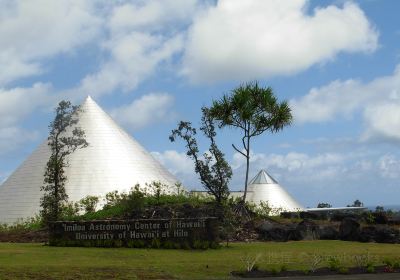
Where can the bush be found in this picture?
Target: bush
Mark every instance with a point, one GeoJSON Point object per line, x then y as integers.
{"type": "Point", "coordinates": [89, 203]}
{"type": "Point", "coordinates": [343, 270]}
{"type": "Point", "coordinates": [69, 211]}
{"type": "Point", "coordinates": [155, 243]}
{"type": "Point", "coordinates": [334, 264]}
{"type": "Point", "coordinates": [200, 244]}
{"type": "Point", "coordinates": [370, 268]}
{"type": "Point", "coordinates": [33, 223]}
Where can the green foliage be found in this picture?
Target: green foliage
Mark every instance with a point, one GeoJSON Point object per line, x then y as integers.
{"type": "Point", "coordinates": [264, 210]}
{"type": "Point", "coordinates": [370, 268]}
{"type": "Point", "coordinates": [314, 260]}
{"type": "Point", "coordinates": [136, 244]}
{"type": "Point", "coordinates": [213, 170]}
{"type": "Point", "coordinates": [253, 110]}
{"type": "Point", "coordinates": [391, 262]}
{"type": "Point", "coordinates": [89, 203]}
{"type": "Point", "coordinates": [343, 270]}
{"type": "Point", "coordinates": [28, 224]}
{"type": "Point", "coordinates": [122, 205]}
{"type": "Point", "coordinates": [201, 244]}
{"type": "Point", "coordinates": [157, 190]}
{"type": "Point", "coordinates": [369, 217]}
{"type": "Point", "coordinates": [69, 211]}
{"type": "Point", "coordinates": [362, 260]}
{"type": "Point", "coordinates": [275, 270]}
{"type": "Point", "coordinates": [134, 200]}
{"type": "Point", "coordinates": [356, 203]}
{"type": "Point", "coordinates": [228, 225]}
{"type": "Point", "coordinates": [334, 264]}
{"type": "Point", "coordinates": [61, 145]}
{"type": "Point", "coordinates": [283, 267]}
{"type": "Point", "coordinates": [112, 199]}
{"type": "Point", "coordinates": [155, 243]}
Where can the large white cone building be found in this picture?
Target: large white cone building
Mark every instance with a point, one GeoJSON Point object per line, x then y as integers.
{"type": "Point", "coordinates": [112, 161]}
{"type": "Point", "coordinates": [265, 188]}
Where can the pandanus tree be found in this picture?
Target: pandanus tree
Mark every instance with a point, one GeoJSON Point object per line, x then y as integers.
{"type": "Point", "coordinates": [254, 110]}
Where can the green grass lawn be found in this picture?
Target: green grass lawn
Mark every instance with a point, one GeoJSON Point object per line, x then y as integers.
{"type": "Point", "coordinates": [35, 261]}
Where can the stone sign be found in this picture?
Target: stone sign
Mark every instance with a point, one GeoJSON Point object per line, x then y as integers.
{"type": "Point", "coordinates": [156, 233]}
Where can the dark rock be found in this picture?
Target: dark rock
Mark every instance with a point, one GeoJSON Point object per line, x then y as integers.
{"type": "Point", "coordinates": [395, 219]}
{"type": "Point", "coordinates": [340, 216]}
{"type": "Point", "coordinates": [380, 234]}
{"type": "Point", "coordinates": [385, 234]}
{"type": "Point", "coordinates": [349, 229]}
{"type": "Point", "coordinates": [272, 231]}
{"type": "Point", "coordinates": [278, 233]}
{"type": "Point", "coordinates": [367, 234]}
{"type": "Point", "coordinates": [290, 215]}
{"type": "Point", "coordinates": [309, 215]}
{"type": "Point", "coordinates": [293, 233]}
{"type": "Point", "coordinates": [307, 230]}
{"type": "Point", "coordinates": [380, 218]}
{"type": "Point", "coordinates": [328, 233]}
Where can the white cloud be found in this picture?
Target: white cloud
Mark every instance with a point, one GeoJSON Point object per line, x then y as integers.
{"type": "Point", "coordinates": [149, 109]}
{"type": "Point", "coordinates": [378, 100]}
{"type": "Point", "coordinates": [389, 166]}
{"type": "Point", "coordinates": [250, 39]}
{"type": "Point", "coordinates": [383, 121]}
{"type": "Point", "coordinates": [18, 103]}
{"type": "Point", "coordinates": [32, 31]}
{"type": "Point", "coordinates": [290, 162]}
{"type": "Point", "coordinates": [13, 137]}
{"type": "Point", "coordinates": [133, 57]}
{"type": "Point", "coordinates": [181, 166]}
{"type": "Point", "coordinates": [15, 106]}
{"type": "Point", "coordinates": [140, 37]}
{"type": "Point", "coordinates": [177, 163]}
{"type": "Point", "coordinates": [153, 15]}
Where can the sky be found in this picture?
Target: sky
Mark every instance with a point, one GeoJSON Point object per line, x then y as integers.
{"type": "Point", "coordinates": [152, 63]}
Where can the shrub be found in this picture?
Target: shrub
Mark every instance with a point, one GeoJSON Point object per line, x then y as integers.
{"type": "Point", "coordinates": [201, 244]}
{"type": "Point", "coordinates": [69, 211]}
{"type": "Point", "coordinates": [314, 260]}
{"type": "Point", "coordinates": [155, 243]}
{"type": "Point", "coordinates": [343, 270]}
{"type": "Point", "coordinates": [112, 199]}
{"type": "Point", "coordinates": [370, 268]}
{"type": "Point", "coordinates": [275, 271]}
{"type": "Point", "coordinates": [250, 261]}
{"type": "Point", "coordinates": [396, 264]}
{"type": "Point", "coordinates": [284, 268]}
{"type": "Point", "coordinates": [388, 262]}
{"type": "Point", "coordinates": [334, 264]}
{"type": "Point", "coordinates": [33, 223]}
{"type": "Point", "coordinates": [168, 245]}
{"type": "Point", "coordinates": [89, 203]}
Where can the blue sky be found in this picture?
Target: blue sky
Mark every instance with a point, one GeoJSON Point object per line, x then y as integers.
{"type": "Point", "coordinates": [152, 63]}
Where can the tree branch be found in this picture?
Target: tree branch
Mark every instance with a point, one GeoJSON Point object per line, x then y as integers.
{"type": "Point", "coordinates": [238, 150]}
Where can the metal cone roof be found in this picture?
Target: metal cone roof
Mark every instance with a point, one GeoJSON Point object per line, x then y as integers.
{"type": "Point", "coordinates": [263, 178]}
{"type": "Point", "coordinates": [112, 161]}
{"type": "Point", "coordinates": [265, 188]}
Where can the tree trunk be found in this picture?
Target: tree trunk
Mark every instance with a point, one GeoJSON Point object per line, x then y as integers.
{"type": "Point", "coordinates": [247, 168]}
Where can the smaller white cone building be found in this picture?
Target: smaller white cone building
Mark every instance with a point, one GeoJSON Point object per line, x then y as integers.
{"type": "Point", "coordinates": [112, 161]}
{"type": "Point", "coordinates": [265, 188]}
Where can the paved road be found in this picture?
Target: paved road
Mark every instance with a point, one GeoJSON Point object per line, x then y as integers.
{"type": "Point", "coordinates": [385, 276]}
